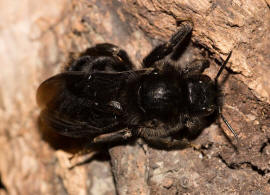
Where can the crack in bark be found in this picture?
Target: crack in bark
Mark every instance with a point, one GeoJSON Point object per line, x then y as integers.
{"type": "Point", "coordinates": [145, 149]}
{"type": "Point", "coordinates": [264, 145]}
{"type": "Point", "coordinates": [237, 166]}
{"type": "Point", "coordinates": [62, 188]}
{"type": "Point", "coordinates": [113, 177]}
{"type": "Point", "coordinates": [267, 4]}
{"type": "Point", "coordinates": [2, 185]}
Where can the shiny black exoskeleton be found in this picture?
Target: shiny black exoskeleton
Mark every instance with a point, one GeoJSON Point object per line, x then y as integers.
{"type": "Point", "coordinates": [102, 97]}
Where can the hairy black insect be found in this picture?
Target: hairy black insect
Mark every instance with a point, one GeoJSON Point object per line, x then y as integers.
{"type": "Point", "coordinates": [100, 96]}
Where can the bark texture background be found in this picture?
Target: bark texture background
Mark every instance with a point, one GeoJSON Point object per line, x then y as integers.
{"type": "Point", "coordinates": [36, 39]}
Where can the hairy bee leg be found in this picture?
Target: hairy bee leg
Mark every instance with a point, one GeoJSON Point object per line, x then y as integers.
{"type": "Point", "coordinates": [108, 49]}
{"type": "Point", "coordinates": [195, 126]}
{"type": "Point", "coordinates": [196, 66]}
{"type": "Point", "coordinates": [168, 143]}
{"type": "Point", "coordinates": [87, 149]}
{"type": "Point", "coordinates": [113, 137]}
{"type": "Point", "coordinates": [102, 57]}
{"type": "Point", "coordinates": [165, 49]}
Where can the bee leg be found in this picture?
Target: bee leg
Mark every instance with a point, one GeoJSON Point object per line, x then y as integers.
{"type": "Point", "coordinates": [82, 157]}
{"type": "Point", "coordinates": [195, 125]}
{"type": "Point", "coordinates": [92, 148]}
{"type": "Point", "coordinates": [121, 135]}
{"type": "Point", "coordinates": [163, 50]}
{"type": "Point", "coordinates": [196, 66]}
{"type": "Point", "coordinates": [113, 51]}
{"type": "Point", "coordinates": [102, 57]}
{"type": "Point", "coordinates": [167, 142]}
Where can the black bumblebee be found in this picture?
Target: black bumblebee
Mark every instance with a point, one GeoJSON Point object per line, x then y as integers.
{"type": "Point", "coordinates": [101, 97]}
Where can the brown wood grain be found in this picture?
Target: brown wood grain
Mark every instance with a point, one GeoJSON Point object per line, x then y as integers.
{"type": "Point", "coordinates": [38, 37]}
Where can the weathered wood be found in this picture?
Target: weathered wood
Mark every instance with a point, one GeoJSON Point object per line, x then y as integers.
{"type": "Point", "coordinates": [36, 44]}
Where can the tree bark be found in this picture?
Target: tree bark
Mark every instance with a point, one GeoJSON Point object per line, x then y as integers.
{"type": "Point", "coordinates": [36, 44]}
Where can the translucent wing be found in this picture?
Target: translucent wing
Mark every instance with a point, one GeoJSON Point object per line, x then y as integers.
{"type": "Point", "coordinates": [69, 127]}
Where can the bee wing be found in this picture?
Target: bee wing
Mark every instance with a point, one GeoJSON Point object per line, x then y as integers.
{"type": "Point", "coordinates": [69, 127]}
{"type": "Point", "coordinates": [77, 104]}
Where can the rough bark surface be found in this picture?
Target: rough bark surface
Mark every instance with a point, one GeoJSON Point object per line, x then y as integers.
{"type": "Point", "coordinates": [36, 39]}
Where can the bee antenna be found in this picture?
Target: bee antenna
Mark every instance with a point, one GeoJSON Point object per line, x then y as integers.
{"type": "Point", "coordinates": [229, 126]}
{"type": "Point", "coordinates": [216, 81]}
{"type": "Point", "coordinates": [223, 66]}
